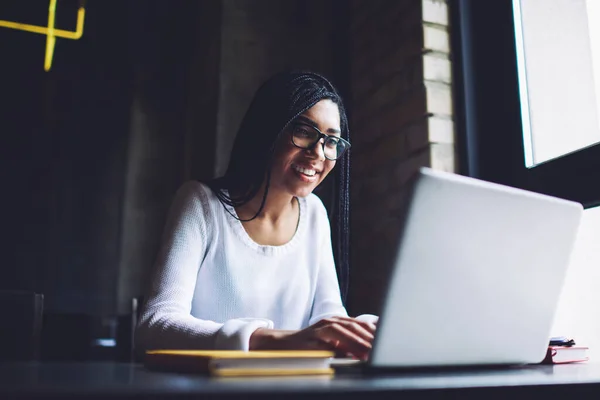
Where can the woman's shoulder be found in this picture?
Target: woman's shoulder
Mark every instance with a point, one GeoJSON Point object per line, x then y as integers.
{"type": "Point", "coordinates": [315, 207]}
{"type": "Point", "coordinates": [196, 189]}
{"type": "Point", "coordinates": [195, 194]}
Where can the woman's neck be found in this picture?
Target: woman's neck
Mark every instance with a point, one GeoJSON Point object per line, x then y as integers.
{"type": "Point", "coordinates": [277, 205]}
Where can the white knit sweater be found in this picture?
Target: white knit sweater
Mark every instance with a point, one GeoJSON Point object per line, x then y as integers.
{"type": "Point", "coordinates": [214, 286]}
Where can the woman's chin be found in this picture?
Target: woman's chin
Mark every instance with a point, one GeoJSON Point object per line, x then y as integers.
{"type": "Point", "coordinates": [302, 191]}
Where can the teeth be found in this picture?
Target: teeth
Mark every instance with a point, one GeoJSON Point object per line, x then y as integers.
{"type": "Point", "coordinates": [309, 172]}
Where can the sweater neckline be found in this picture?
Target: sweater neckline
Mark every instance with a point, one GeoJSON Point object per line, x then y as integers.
{"type": "Point", "coordinates": [268, 250]}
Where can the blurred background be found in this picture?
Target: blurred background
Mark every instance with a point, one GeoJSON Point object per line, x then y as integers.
{"type": "Point", "coordinates": [152, 95]}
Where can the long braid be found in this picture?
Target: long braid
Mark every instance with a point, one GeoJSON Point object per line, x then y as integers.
{"type": "Point", "coordinates": [276, 104]}
{"type": "Point", "coordinates": [341, 220]}
{"type": "Point", "coordinates": [341, 232]}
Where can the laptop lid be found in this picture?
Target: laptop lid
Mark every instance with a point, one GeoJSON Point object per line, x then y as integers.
{"type": "Point", "coordinates": [477, 275]}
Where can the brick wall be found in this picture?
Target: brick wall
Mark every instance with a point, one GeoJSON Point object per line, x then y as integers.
{"type": "Point", "coordinates": [401, 120]}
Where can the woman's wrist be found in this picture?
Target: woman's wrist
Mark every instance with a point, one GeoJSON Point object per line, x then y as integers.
{"type": "Point", "coordinates": [267, 339]}
{"type": "Point", "coordinates": [261, 338]}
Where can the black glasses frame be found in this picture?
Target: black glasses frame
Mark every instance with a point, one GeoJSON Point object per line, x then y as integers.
{"type": "Point", "coordinates": [321, 136]}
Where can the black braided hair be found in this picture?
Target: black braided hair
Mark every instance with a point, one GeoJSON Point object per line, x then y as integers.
{"type": "Point", "coordinates": [278, 102]}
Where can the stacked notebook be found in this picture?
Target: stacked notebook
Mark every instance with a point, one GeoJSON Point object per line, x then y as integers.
{"type": "Point", "coordinates": [562, 350]}
{"type": "Point", "coordinates": [226, 363]}
{"type": "Point", "coordinates": [562, 355]}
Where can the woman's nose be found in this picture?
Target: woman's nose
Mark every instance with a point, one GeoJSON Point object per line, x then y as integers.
{"type": "Point", "coordinates": [318, 150]}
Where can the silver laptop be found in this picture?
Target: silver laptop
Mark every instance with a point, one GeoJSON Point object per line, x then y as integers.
{"type": "Point", "coordinates": [477, 276]}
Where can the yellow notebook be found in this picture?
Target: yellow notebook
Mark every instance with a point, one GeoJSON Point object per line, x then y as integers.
{"type": "Point", "coordinates": [227, 363]}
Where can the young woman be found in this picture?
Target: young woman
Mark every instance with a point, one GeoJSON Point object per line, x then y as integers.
{"type": "Point", "coordinates": [246, 261]}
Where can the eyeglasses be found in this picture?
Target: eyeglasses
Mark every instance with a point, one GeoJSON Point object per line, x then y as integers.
{"type": "Point", "coordinates": [306, 137]}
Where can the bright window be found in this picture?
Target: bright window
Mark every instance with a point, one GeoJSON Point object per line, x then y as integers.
{"type": "Point", "coordinates": [558, 55]}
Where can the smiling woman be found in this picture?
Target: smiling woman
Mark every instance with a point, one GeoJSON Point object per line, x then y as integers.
{"type": "Point", "coordinates": [303, 157]}
{"type": "Point", "coordinates": [246, 260]}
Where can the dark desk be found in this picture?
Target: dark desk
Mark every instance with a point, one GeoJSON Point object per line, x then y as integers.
{"type": "Point", "coordinates": [100, 380]}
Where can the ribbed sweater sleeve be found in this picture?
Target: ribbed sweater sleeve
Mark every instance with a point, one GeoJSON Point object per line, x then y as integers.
{"type": "Point", "coordinates": [166, 321]}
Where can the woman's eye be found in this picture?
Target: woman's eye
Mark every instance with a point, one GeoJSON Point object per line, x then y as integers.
{"type": "Point", "coordinates": [299, 131]}
{"type": "Point", "coordinates": [332, 143]}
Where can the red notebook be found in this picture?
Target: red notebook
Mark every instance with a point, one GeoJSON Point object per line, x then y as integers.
{"type": "Point", "coordinates": [565, 354]}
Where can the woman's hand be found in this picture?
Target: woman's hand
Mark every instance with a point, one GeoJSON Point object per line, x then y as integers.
{"type": "Point", "coordinates": [343, 335]}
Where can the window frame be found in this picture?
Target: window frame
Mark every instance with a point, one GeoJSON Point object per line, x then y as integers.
{"type": "Point", "coordinates": [489, 128]}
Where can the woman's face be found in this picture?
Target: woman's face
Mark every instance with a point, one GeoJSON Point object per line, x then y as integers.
{"type": "Point", "coordinates": [299, 171]}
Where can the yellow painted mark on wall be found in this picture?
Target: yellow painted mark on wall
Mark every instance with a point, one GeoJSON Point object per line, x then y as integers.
{"type": "Point", "coordinates": [50, 32]}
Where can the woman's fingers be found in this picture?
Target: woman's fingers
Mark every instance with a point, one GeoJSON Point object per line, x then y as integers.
{"type": "Point", "coordinates": [363, 329]}
{"type": "Point", "coordinates": [342, 339]}
{"type": "Point", "coordinates": [369, 326]}
{"type": "Point", "coordinates": [343, 335]}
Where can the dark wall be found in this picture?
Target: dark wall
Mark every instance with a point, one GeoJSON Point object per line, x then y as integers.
{"type": "Point", "coordinates": [67, 135]}
{"type": "Point", "coordinates": [98, 138]}
{"type": "Point", "coordinates": [173, 125]}
{"type": "Point", "coordinates": [21, 114]}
